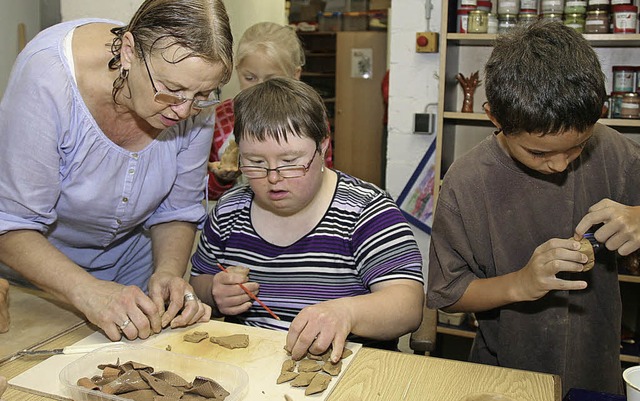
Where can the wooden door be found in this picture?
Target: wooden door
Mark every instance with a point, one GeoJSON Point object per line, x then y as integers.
{"type": "Point", "coordinates": [359, 108]}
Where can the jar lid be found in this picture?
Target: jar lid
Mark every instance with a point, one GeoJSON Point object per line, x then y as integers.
{"type": "Point", "coordinates": [483, 3]}
{"type": "Point", "coordinates": [598, 12]}
{"type": "Point", "coordinates": [624, 7]}
{"type": "Point", "coordinates": [630, 94]}
{"type": "Point", "coordinates": [616, 94]}
{"type": "Point", "coordinates": [624, 68]}
{"type": "Point", "coordinates": [478, 12]}
{"type": "Point", "coordinates": [528, 11]}
{"type": "Point", "coordinates": [551, 15]}
{"type": "Point", "coordinates": [464, 11]}
{"type": "Point", "coordinates": [599, 2]}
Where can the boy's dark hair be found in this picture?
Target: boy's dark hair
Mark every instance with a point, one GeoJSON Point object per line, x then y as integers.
{"type": "Point", "coordinates": [544, 78]}
{"type": "Point", "coordinates": [277, 108]}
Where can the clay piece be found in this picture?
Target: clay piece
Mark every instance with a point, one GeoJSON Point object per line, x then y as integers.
{"type": "Point", "coordinates": [139, 382]}
{"type": "Point", "coordinates": [286, 377]}
{"type": "Point", "coordinates": [306, 372]}
{"type": "Point", "coordinates": [196, 336]}
{"type": "Point", "coordinates": [318, 384]}
{"type": "Point", "coordinates": [587, 249]}
{"type": "Point", "coordinates": [288, 366]}
{"type": "Point", "coordinates": [303, 379]}
{"type": "Point", "coordinates": [346, 352]}
{"type": "Point", "coordinates": [233, 341]}
{"type": "Point", "coordinates": [4, 306]}
{"type": "Point", "coordinates": [332, 368]}
{"type": "Point", "coordinates": [308, 365]}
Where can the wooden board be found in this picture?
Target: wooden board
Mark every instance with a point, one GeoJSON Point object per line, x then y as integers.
{"type": "Point", "coordinates": [29, 308]}
{"type": "Point", "coordinates": [262, 361]}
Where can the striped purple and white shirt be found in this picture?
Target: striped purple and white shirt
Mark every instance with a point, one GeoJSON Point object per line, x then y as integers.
{"type": "Point", "coordinates": [362, 239]}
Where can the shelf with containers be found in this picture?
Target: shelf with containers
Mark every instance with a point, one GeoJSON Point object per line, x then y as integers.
{"type": "Point", "coordinates": [458, 132]}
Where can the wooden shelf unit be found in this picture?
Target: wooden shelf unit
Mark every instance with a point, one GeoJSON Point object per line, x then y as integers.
{"type": "Point", "coordinates": [458, 132]}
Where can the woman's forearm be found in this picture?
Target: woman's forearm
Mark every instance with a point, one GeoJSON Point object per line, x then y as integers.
{"type": "Point", "coordinates": [29, 253]}
{"type": "Point", "coordinates": [172, 244]}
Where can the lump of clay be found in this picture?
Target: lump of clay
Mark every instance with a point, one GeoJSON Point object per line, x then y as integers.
{"type": "Point", "coordinates": [332, 368]}
{"type": "Point", "coordinates": [233, 341]}
{"type": "Point", "coordinates": [303, 379]}
{"type": "Point", "coordinates": [208, 388]}
{"type": "Point", "coordinates": [587, 249]}
{"type": "Point", "coordinates": [288, 366]}
{"type": "Point", "coordinates": [319, 383]}
{"type": "Point", "coordinates": [307, 365]}
{"type": "Point", "coordinates": [195, 337]}
{"type": "Point", "coordinates": [138, 382]}
{"type": "Point", "coordinates": [4, 305]}
{"type": "Point", "coordinates": [285, 377]}
{"type": "Point", "coordinates": [308, 374]}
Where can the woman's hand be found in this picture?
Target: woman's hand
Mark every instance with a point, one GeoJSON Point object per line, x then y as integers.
{"type": "Point", "coordinates": [538, 277]}
{"type": "Point", "coordinates": [620, 228]}
{"type": "Point", "coordinates": [184, 308]}
{"type": "Point", "coordinates": [229, 298]}
{"type": "Point", "coordinates": [118, 309]}
{"type": "Point", "coordinates": [318, 327]}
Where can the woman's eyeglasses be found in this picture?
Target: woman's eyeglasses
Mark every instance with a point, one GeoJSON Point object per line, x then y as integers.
{"type": "Point", "coordinates": [290, 171]}
{"type": "Point", "coordinates": [173, 99]}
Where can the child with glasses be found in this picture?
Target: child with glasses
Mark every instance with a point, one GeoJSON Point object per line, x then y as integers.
{"type": "Point", "coordinates": [104, 162]}
{"type": "Point", "coordinates": [331, 255]}
{"type": "Point", "coordinates": [511, 213]}
{"type": "Point", "coordinates": [265, 50]}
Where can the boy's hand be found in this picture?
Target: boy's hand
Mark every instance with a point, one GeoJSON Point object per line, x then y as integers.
{"type": "Point", "coordinates": [620, 228]}
{"type": "Point", "coordinates": [538, 277]}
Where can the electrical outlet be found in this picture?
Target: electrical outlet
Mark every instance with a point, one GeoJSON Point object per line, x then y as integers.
{"type": "Point", "coordinates": [423, 123]}
{"type": "Point", "coordinates": [427, 42]}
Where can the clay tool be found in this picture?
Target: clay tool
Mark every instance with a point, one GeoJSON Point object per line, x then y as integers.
{"type": "Point", "coordinates": [71, 349]}
{"type": "Point", "coordinates": [249, 293]}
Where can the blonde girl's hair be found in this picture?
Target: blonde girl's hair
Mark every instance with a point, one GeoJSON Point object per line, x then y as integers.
{"type": "Point", "coordinates": [279, 43]}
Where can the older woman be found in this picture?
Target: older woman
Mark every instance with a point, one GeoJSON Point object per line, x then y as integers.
{"type": "Point", "coordinates": [105, 131]}
{"type": "Point", "coordinates": [330, 254]}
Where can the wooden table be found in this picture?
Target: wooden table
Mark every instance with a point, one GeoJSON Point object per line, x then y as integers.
{"type": "Point", "coordinates": [373, 375]}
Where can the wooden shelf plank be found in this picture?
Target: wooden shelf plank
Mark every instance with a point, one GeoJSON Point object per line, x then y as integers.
{"type": "Point", "coordinates": [614, 122]}
{"type": "Point", "coordinates": [596, 40]}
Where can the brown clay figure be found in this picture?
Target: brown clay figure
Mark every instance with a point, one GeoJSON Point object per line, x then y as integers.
{"type": "Point", "coordinates": [469, 86]}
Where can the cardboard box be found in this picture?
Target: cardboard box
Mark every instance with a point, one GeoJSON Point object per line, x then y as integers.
{"type": "Point", "coordinates": [379, 4]}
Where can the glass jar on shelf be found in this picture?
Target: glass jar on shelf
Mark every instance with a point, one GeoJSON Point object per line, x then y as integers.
{"type": "Point", "coordinates": [575, 21]}
{"type": "Point", "coordinates": [596, 22]}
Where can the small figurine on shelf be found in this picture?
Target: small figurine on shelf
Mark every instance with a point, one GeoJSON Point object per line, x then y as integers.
{"type": "Point", "coordinates": [469, 86]}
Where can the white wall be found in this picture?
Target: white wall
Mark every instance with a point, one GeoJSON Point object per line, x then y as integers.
{"type": "Point", "coordinates": [242, 14]}
{"type": "Point", "coordinates": [413, 84]}
{"type": "Point", "coordinates": [13, 13]}
{"type": "Point", "coordinates": [120, 10]}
